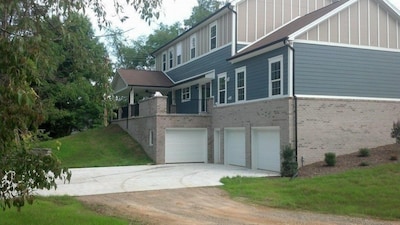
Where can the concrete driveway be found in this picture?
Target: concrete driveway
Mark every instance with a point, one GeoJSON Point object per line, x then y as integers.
{"type": "Point", "coordinates": [107, 180]}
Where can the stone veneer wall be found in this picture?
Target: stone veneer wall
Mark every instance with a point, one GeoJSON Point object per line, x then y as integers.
{"type": "Point", "coordinates": [343, 126]}
{"type": "Point", "coordinates": [265, 113]}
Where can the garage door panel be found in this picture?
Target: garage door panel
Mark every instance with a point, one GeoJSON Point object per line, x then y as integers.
{"type": "Point", "coordinates": [266, 148]}
{"type": "Point", "coordinates": [185, 145]}
{"type": "Point", "coordinates": [235, 147]}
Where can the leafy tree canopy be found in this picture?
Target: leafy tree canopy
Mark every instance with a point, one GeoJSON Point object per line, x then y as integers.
{"type": "Point", "coordinates": [74, 94]}
{"type": "Point", "coordinates": [202, 11]}
{"type": "Point", "coordinates": [137, 53]}
{"type": "Point", "coordinates": [36, 51]}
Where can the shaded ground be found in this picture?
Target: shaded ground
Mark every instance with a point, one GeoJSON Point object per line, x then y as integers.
{"type": "Point", "coordinates": [213, 206]}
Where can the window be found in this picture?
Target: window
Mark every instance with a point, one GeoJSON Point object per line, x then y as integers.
{"type": "Point", "coordinates": [192, 46]}
{"type": "Point", "coordinates": [150, 138]}
{"type": "Point", "coordinates": [171, 58]}
{"type": "Point", "coordinates": [213, 36]}
{"type": "Point", "coordinates": [222, 88]}
{"type": "Point", "coordinates": [179, 54]}
{"type": "Point", "coordinates": [164, 61]}
{"type": "Point", "coordinates": [275, 76]}
{"type": "Point", "coordinates": [240, 84]}
{"type": "Point", "coordinates": [185, 94]}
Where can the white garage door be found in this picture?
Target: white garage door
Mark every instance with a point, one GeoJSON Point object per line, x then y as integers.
{"type": "Point", "coordinates": [185, 145]}
{"type": "Point", "coordinates": [265, 147]}
{"type": "Point", "coordinates": [235, 146]}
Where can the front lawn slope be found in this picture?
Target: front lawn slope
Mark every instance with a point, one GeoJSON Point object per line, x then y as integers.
{"type": "Point", "coordinates": [110, 146]}
{"type": "Point", "coordinates": [57, 210]}
{"type": "Point", "coordinates": [367, 192]}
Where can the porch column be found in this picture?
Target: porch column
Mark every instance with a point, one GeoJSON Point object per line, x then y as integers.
{"type": "Point", "coordinates": [131, 101]}
{"type": "Point", "coordinates": [132, 96]}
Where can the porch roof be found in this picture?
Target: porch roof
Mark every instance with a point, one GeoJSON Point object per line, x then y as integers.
{"type": "Point", "coordinates": [139, 79]}
{"type": "Point", "coordinates": [143, 78]}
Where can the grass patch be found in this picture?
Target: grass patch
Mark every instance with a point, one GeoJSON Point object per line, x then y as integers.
{"type": "Point", "coordinates": [372, 192]}
{"type": "Point", "coordinates": [57, 210]}
{"type": "Point", "coordinates": [110, 146]}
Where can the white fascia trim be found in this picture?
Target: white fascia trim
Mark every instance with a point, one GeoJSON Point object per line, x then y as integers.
{"type": "Point", "coordinates": [320, 20]}
{"type": "Point", "coordinates": [348, 98]}
{"type": "Point", "coordinates": [347, 45]}
{"type": "Point", "coordinates": [394, 8]}
{"type": "Point", "coordinates": [258, 52]}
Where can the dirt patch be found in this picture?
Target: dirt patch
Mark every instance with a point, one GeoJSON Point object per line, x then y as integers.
{"type": "Point", "coordinates": [379, 155]}
{"type": "Point", "coordinates": [213, 206]}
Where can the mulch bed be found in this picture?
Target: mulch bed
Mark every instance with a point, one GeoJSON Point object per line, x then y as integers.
{"type": "Point", "coordinates": [379, 155]}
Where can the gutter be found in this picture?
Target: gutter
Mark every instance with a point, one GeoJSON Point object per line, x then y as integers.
{"type": "Point", "coordinates": [234, 35]}
{"type": "Point", "coordinates": [288, 43]}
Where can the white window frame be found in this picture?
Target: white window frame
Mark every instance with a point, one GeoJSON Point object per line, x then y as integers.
{"type": "Point", "coordinates": [237, 72]}
{"type": "Point", "coordinates": [213, 38]}
{"type": "Point", "coordinates": [171, 58]}
{"type": "Point", "coordinates": [193, 46]}
{"type": "Point", "coordinates": [185, 94]}
{"type": "Point", "coordinates": [220, 76]}
{"type": "Point", "coordinates": [164, 61]}
{"type": "Point", "coordinates": [270, 81]}
{"type": "Point", "coordinates": [151, 136]}
{"type": "Point", "coordinates": [179, 54]}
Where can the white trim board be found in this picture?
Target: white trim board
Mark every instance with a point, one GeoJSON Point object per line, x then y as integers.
{"type": "Point", "coordinates": [347, 45]}
{"type": "Point", "coordinates": [348, 98]}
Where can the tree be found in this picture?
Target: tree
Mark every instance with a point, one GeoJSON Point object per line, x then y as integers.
{"type": "Point", "coordinates": [26, 47]}
{"type": "Point", "coordinates": [202, 11]}
{"type": "Point", "coordinates": [137, 53]}
{"type": "Point", "coordinates": [73, 95]}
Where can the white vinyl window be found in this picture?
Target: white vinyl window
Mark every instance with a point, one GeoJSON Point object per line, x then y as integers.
{"type": "Point", "coordinates": [240, 83]}
{"type": "Point", "coordinates": [193, 46]}
{"type": "Point", "coordinates": [185, 94]}
{"type": "Point", "coordinates": [164, 61]}
{"type": "Point", "coordinates": [275, 76]}
{"type": "Point", "coordinates": [222, 88]}
{"type": "Point", "coordinates": [179, 54]}
{"type": "Point", "coordinates": [213, 36]}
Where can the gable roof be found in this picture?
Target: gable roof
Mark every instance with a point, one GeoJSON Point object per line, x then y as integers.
{"type": "Point", "coordinates": [143, 78]}
{"type": "Point", "coordinates": [285, 31]}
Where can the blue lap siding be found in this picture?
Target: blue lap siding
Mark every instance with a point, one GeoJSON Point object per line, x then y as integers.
{"type": "Point", "coordinates": [343, 71]}
{"type": "Point", "coordinates": [257, 74]}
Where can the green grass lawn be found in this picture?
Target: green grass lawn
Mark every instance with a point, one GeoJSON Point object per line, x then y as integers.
{"type": "Point", "coordinates": [110, 146]}
{"type": "Point", "coordinates": [368, 192]}
{"type": "Point", "coordinates": [57, 210]}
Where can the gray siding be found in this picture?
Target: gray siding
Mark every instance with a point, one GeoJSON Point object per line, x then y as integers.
{"type": "Point", "coordinates": [215, 60]}
{"type": "Point", "coordinates": [341, 71]}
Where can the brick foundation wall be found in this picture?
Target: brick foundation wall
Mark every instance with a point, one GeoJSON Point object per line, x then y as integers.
{"type": "Point", "coordinates": [343, 126]}
{"type": "Point", "coordinates": [266, 113]}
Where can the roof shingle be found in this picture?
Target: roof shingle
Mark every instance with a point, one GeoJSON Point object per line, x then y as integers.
{"type": "Point", "coordinates": [143, 78]}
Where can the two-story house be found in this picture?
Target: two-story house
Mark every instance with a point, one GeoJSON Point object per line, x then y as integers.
{"type": "Point", "coordinates": [319, 75]}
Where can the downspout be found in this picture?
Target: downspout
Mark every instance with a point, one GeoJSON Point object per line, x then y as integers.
{"type": "Point", "coordinates": [234, 35]}
{"type": "Point", "coordinates": [289, 44]}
